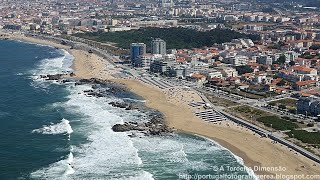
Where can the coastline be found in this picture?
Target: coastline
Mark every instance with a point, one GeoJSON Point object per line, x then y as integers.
{"type": "Point", "coordinates": [253, 150]}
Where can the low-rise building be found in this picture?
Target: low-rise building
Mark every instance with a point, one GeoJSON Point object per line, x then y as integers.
{"type": "Point", "coordinates": [308, 105]}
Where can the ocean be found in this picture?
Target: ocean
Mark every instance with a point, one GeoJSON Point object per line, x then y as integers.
{"type": "Point", "coordinates": [51, 130]}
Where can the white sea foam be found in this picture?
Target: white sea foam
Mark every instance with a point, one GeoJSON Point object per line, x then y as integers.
{"type": "Point", "coordinates": [55, 65]}
{"type": "Point", "coordinates": [63, 127]}
{"type": "Point", "coordinates": [70, 169]}
{"type": "Point", "coordinates": [51, 66]}
{"type": "Point", "coordinates": [59, 170]}
{"type": "Point", "coordinates": [110, 155]}
{"type": "Point", "coordinates": [238, 159]}
{"type": "Point", "coordinates": [70, 158]}
{"type": "Point", "coordinates": [106, 154]}
{"type": "Point", "coordinates": [170, 154]}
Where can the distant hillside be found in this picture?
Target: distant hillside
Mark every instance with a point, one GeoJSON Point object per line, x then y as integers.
{"type": "Point", "coordinates": [175, 37]}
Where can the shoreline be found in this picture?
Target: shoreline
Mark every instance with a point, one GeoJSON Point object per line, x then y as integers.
{"type": "Point", "coordinates": [90, 65]}
{"type": "Point", "coordinates": [255, 151]}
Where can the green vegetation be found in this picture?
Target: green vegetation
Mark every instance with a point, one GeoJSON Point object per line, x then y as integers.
{"type": "Point", "coordinates": [175, 37]}
{"type": "Point", "coordinates": [248, 111]}
{"type": "Point", "coordinates": [244, 69]}
{"type": "Point", "coordinates": [292, 63]}
{"type": "Point", "coordinates": [306, 137]}
{"type": "Point", "coordinates": [281, 83]}
{"type": "Point", "coordinates": [289, 119]}
{"type": "Point", "coordinates": [282, 106]}
{"type": "Point", "coordinates": [280, 60]}
{"type": "Point", "coordinates": [289, 103]}
{"type": "Point", "coordinates": [277, 123]}
{"type": "Point", "coordinates": [315, 46]}
{"type": "Point", "coordinates": [247, 94]}
{"type": "Point", "coordinates": [220, 101]}
{"type": "Point", "coordinates": [278, 46]}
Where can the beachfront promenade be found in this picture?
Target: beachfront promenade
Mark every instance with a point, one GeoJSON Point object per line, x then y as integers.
{"type": "Point", "coordinates": [264, 133]}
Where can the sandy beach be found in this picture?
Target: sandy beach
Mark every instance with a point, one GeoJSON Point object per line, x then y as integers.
{"type": "Point", "coordinates": [254, 151]}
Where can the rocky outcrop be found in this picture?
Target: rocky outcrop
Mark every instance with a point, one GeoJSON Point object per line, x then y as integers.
{"type": "Point", "coordinates": [52, 77]}
{"type": "Point", "coordinates": [155, 126]}
{"type": "Point", "coordinates": [94, 93]}
{"type": "Point", "coordinates": [124, 105]}
{"type": "Point", "coordinates": [97, 83]}
{"type": "Point", "coordinates": [57, 77]}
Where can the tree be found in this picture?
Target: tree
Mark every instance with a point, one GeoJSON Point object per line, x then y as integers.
{"type": "Point", "coordinates": [281, 83]}
{"type": "Point", "coordinates": [292, 63]}
{"type": "Point", "coordinates": [244, 69]}
{"type": "Point", "coordinates": [272, 103]}
{"type": "Point", "coordinates": [310, 125]}
{"type": "Point", "coordinates": [263, 68]}
{"type": "Point", "coordinates": [282, 106]}
{"type": "Point", "coordinates": [315, 46]}
{"type": "Point", "coordinates": [174, 37]}
{"type": "Point", "coordinates": [281, 59]}
{"type": "Point", "coordinates": [292, 111]}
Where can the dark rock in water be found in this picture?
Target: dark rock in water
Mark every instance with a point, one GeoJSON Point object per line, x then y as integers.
{"type": "Point", "coordinates": [56, 77]}
{"type": "Point", "coordinates": [155, 126]}
{"type": "Point", "coordinates": [126, 106]}
{"type": "Point", "coordinates": [72, 74]}
{"type": "Point", "coordinates": [65, 81]}
{"type": "Point", "coordinates": [95, 86]}
{"type": "Point", "coordinates": [119, 104]}
{"type": "Point", "coordinates": [94, 93]}
{"type": "Point", "coordinates": [88, 91]}
{"type": "Point", "coordinates": [129, 107]}
{"type": "Point", "coordinates": [120, 128]}
{"type": "Point", "coordinates": [96, 82]}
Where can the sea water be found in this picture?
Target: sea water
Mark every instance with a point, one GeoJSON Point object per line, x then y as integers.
{"type": "Point", "coordinates": [51, 130]}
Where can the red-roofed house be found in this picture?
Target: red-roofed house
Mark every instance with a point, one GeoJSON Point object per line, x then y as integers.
{"type": "Point", "coordinates": [304, 84]}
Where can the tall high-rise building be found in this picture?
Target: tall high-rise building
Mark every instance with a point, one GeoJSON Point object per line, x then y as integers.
{"type": "Point", "coordinates": [136, 50]}
{"type": "Point", "coordinates": [158, 46]}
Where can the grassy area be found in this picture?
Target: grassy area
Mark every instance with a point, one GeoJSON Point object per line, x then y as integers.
{"type": "Point", "coordinates": [277, 123]}
{"type": "Point", "coordinates": [289, 103]}
{"type": "Point", "coordinates": [248, 111]}
{"type": "Point", "coordinates": [306, 137]}
{"type": "Point", "coordinates": [220, 101]}
{"type": "Point", "coordinates": [246, 94]}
